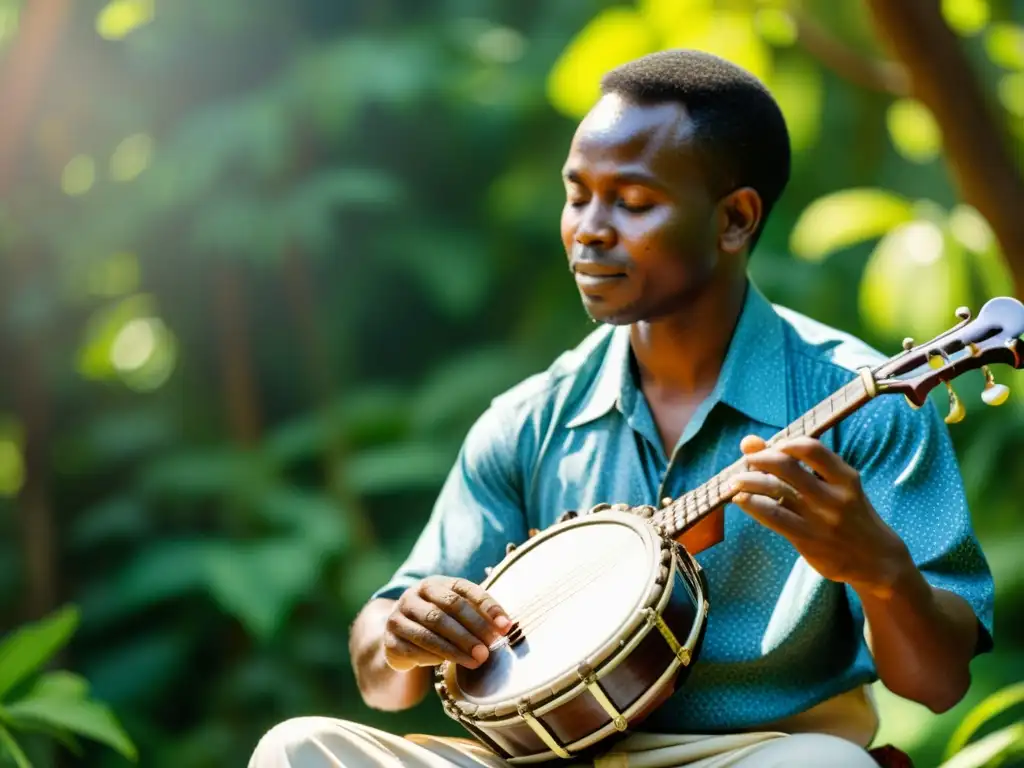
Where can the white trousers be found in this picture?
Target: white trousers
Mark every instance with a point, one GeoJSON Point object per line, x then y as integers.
{"type": "Point", "coordinates": [321, 742]}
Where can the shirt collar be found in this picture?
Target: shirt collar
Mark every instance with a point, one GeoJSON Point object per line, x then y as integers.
{"type": "Point", "coordinates": [751, 380]}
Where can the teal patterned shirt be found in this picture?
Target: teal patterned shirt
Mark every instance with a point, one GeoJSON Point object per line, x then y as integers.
{"type": "Point", "coordinates": [780, 638]}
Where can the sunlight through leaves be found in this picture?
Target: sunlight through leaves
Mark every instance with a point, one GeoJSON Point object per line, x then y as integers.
{"type": "Point", "coordinates": [8, 22]}
{"type": "Point", "coordinates": [916, 277]}
{"type": "Point", "coordinates": [613, 37]}
{"type": "Point", "coordinates": [776, 26]}
{"type": "Point", "coordinates": [1004, 44]}
{"type": "Point", "coordinates": [968, 17]}
{"type": "Point", "coordinates": [131, 157]}
{"type": "Point", "coordinates": [120, 17]}
{"type": "Point", "coordinates": [913, 130]}
{"type": "Point", "coordinates": [79, 175]}
{"type": "Point", "coordinates": [846, 218]}
{"type": "Point", "coordinates": [1011, 93]}
{"type": "Point", "coordinates": [12, 461]}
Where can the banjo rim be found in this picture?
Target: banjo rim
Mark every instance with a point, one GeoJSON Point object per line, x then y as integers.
{"type": "Point", "coordinates": [607, 654]}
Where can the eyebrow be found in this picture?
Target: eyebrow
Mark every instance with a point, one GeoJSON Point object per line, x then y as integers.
{"type": "Point", "coordinates": [625, 177]}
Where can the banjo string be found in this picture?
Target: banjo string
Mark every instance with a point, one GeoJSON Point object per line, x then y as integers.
{"type": "Point", "coordinates": [540, 609]}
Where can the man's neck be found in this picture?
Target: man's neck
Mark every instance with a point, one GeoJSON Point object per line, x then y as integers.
{"type": "Point", "coordinates": [681, 355]}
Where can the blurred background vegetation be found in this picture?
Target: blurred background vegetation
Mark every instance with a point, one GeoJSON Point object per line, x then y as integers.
{"type": "Point", "coordinates": [262, 263]}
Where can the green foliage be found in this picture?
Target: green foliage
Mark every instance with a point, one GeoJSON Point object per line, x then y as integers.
{"type": "Point", "coordinates": [54, 703]}
{"type": "Point", "coordinates": [268, 261]}
{"type": "Point", "coordinates": [1001, 743]}
{"type": "Point", "coordinates": [842, 219]}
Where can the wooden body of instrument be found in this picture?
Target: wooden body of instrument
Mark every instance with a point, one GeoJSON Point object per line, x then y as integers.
{"type": "Point", "coordinates": [610, 610]}
{"type": "Point", "coordinates": [609, 616]}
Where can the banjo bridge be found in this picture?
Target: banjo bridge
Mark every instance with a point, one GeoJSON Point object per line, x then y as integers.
{"type": "Point", "coordinates": [515, 635]}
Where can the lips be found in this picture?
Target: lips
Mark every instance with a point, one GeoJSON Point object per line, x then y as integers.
{"type": "Point", "coordinates": [594, 269]}
{"type": "Point", "coordinates": [585, 280]}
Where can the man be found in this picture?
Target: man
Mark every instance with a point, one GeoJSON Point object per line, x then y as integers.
{"type": "Point", "coordinates": [843, 560]}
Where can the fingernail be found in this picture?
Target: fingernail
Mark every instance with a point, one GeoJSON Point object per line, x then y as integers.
{"type": "Point", "coordinates": [480, 653]}
{"type": "Point", "coordinates": [501, 622]}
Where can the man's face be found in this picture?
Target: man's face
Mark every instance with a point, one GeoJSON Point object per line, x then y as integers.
{"type": "Point", "coordinates": [639, 226]}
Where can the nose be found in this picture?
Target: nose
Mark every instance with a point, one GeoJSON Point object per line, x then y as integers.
{"type": "Point", "coordinates": [594, 229]}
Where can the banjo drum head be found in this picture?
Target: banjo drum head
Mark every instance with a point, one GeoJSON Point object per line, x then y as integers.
{"type": "Point", "coordinates": [575, 590]}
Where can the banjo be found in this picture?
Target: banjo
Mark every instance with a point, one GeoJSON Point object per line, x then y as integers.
{"type": "Point", "coordinates": [548, 691]}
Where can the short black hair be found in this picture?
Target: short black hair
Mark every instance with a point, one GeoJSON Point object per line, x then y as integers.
{"type": "Point", "coordinates": [740, 129]}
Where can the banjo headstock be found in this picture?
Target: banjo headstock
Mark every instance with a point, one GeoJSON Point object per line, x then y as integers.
{"type": "Point", "coordinates": [992, 338]}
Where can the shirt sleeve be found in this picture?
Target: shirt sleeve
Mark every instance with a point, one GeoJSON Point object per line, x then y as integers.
{"type": "Point", "coordinates": [478, 511]}
{"type": "Point", "coordinates": [911, 475]}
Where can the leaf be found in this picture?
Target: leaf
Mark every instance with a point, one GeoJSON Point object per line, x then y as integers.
{"type": "Point", "coordinates": [125, 435]}
{"type": "Point", "coordinates": [162, 571]}
{"type": "Point", "coordinates": [454, 267]}
{"type": "Point", "coordinates": [990, 707]}
{"type": "Point", "coordinates": [613, 37]}
{"type": "Point", "coordinates": [29, 648]}
{"type": "Point", "coordinates": [310, 213]}
{"type": "Point", "coordinates": [376, 413]}
{"type": "Point", "coordinates": [842, 219]}
{"type": "Point", "coordinates": [139, 667]}
{"type": "Point", "coordinates": [310, 516]}
{"type": "Point", "coordinates": [1004, 43]}
{"type": "Point", "coordinates": [1011, 93]}
{"type": "Point", "coordinates": [10, 746]}
{"type": "Point", "coordinates": [400, 467]}
{"type": "Point", "coordinates": [967, 17]}
{"type": "Point", "coordinates": [121, 519]}
{"type": "Point", "coordinates": [239, 225]}
{"type": "Point", "coordinates": [60, 685]}
{"type": "Point", "coordinates": [914, 280]}
{"type": "Point", "coordinates": [913, 130]}
{"type": "Point", "coordinates": [458, 390]}
{"type": "Point", "coordinates": [199, 474]}
{"type": "Point", "coordinates": [984, 751]}
{"type": "Point", "coordinates": [85, 718]}
{"type": "Point", "coordinates": [799, 89]}
{"type": "Point", "coordinates": [259, 583]}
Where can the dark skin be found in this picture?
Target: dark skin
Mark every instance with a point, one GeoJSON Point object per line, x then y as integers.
{"type": "Point", "coordinates": [654, 243]}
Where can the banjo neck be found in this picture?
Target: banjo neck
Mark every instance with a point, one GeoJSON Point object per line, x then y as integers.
{"type": "Point", "coordinates": [690, 508]}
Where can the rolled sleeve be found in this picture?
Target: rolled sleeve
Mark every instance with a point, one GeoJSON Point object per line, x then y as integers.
{"type": "Point", "coordinates": [478, 511]}
{"type": "Point", "coordinates": [911, 475]}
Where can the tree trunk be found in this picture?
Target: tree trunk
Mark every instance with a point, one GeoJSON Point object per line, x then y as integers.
{"type": "Point", "coordinates": [22, 79]}
{"type": "Point", "coordinates": [238, 373]}
{"type": "Point", "coordinates": [977, 145]}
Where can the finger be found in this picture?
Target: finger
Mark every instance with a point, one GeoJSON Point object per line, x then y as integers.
{"type": "Point", "coordinates": [752, 444]}
{"type": "Point", "coordinates": [788, 470]}
{"type": "Point", "coordinates": [433, 618]}
{"type": "Point", "coordinates": [769, 486]}
{"type": "Point", "coordinates": [402, 655]}
{"type": "Point", "coordinates": [413, 632]}
{"type": "Point", "coordinates": [462, 610]}
{"type": "Point", "coordinates": [483, 602]}
{"type": "Point", "coordinates": [770, 514]}
{"type": "Point", "coordinates": [815, 455]}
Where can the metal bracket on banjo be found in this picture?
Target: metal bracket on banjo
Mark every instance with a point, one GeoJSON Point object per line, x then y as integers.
{"type": "Point", "coordinates": [587, 675]}
{"type": "Point", "coordinates": [537, 727]}
{"type": "Point", "coordinates": [654, 619]}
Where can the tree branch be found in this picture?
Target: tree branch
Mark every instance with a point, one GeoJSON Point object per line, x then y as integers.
{"type": "Point", "coordinates": [849, 64]}
{"type": "Point", "coordinates": [977, 146]}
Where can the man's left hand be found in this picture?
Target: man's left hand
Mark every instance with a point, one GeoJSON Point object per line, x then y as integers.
{"type": "Point", "coordinates": [824, 513]}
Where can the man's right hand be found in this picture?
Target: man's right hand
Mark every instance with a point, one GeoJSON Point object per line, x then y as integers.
{"type": "Point", "coordinates": [442, 619]}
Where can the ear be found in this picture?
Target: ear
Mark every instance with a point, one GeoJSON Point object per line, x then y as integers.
{"type": "Point", "coordinates": [739, 216]}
